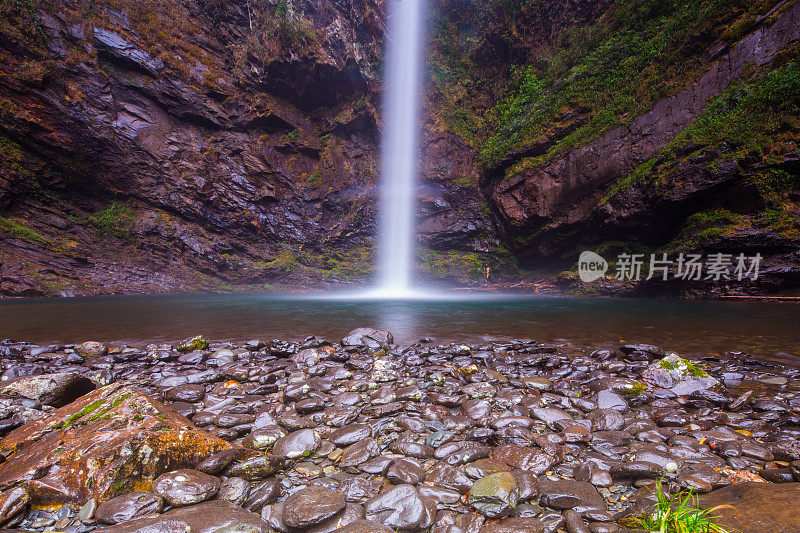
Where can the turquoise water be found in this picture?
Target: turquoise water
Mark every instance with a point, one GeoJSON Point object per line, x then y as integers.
{"type": "Point", "coordinates": [768, 330]}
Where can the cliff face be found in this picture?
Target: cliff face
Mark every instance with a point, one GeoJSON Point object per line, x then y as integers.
{"type": "Point", "coordinates": [171, 145]}
{"type": "Point", "coordinates": [639, 127]}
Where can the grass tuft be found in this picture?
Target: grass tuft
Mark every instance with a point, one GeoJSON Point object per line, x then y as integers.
{"type": "Point", "coordinates": [677, 514]}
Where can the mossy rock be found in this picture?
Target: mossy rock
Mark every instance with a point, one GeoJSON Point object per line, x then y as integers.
{"type": "Point", "coordinates": [191, 344]}
{"type": "Point", "coordinates": [679, 375]}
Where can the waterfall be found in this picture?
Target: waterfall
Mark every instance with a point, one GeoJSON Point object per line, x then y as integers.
{"type": "Point", "coordinates": [400, 149]}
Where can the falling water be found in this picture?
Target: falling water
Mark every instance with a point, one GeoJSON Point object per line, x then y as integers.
{"type": "Point", "coordinates": [399, 152]}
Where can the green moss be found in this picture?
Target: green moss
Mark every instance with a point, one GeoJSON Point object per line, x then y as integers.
{"type": "Point", "coordinates": [284, 261]}
{"type": "Point", "coordinates": [666, 365]}
{"type": "Point", "coordinates": [115, 220]}
{"type": "Point", "coordinates": [18, 230]}
{"type": "Point", "coordinates": [584, 81]}
{"type": "Point", "coordinates": [636, 388]}
{"type": "Point", "coordinates": [695, 371]}
{"type": "Point", "coordinates": [88, 409]}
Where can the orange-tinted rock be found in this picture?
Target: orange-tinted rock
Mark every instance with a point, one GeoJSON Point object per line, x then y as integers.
{"type": "Point", "coordinates": [111, 441]}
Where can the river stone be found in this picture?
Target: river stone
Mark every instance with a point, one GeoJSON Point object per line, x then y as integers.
{"type": "Point", "coordinates": [495, 495]}
{"type": "Point", "coordinates": [189, 393]}
{"type": "Point", "coordinates": [110, 441]}
{"type": "Point", "coordinates": [350, 434]}
{"type": "Point", "coordinates": [364, 526]}
{"type": "Point", "coordinates": [399, 507]}
{"type": "Point", "coordinates": [297, 444]}
{"type": "Point", "coordinates": [755, 507]}
{"type": "Point", "coordinates": [235, 490]}
{"type": "Point", "coordinates": [514, 525]}
{"type": "Point", "coordinates": [56, 390]}
{"type": "Point", "coordinates": [680, 376]}
{"type": "Point", "coordinates": [207, 517]}
{"type": "Point", "coordinates": [258, 467]}
{"type": "Point", "coordinates": [91, 349]}
{"type": "Point", "coordinates": [191, 344]}
{"type": "Point", "coordinates": [369, 337]}
{"type": "Point", "coordinates": [311, 505]}
{"type": "Point", "coordinates": [128, 506]}
{"type": "Point", "coordinates": [186, 487]}
{"type": "Point", "coordinates": [263, 438]}
{"type": "Point", "coordinates": [12, 503]}
{"type": "Point", "coordinates": [568, 494]}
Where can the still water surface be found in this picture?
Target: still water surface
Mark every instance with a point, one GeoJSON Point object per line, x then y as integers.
{"type": "Point", "coordinates": [768, 330]}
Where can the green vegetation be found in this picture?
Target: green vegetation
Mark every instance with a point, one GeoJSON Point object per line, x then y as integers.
{"type": "Point", "coordinates": [617, 68]}
{"type": "Point", "coordinates": [115, 220]}
{"type": "Point", "coordinates": [284, 261]}
{"type": "Point", "coordinates": [469, 265]}
{"type": "Point", "coordinates": [581, 83]}
{"type": "Point", "coordinates": [17, 230]}
{"type": "Point", "coordinates": [676, 514]}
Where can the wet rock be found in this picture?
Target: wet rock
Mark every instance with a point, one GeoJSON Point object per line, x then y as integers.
{"type": "Point", "coordinates": [405, 471]}
{"type": "Point", "coordinates": [190, 393]}
{"type": "Point", "coordinates": [350, 434]}
{"type": "Point", "coordinates": [207, 517]}
{"type": "Point", "coordinates": [568, 494]}
{"type": "Point", "coordinates": [311, 505]}
{"type": "Point", "coordinates": [679, 375]}
{"type": "Point", "coordinates": [91, 349]}
{"type": "Point", "coordinates": [400, 507]}
{"type": "Point", "coordinates": [368, 337]}
{"type": "Point", "coordinates": [494, 495]}
{"type": "Point", "coordinates": [12, 504]}
{"type": "Point", "coordinates": [235, 490]}
{"type": "Point", "coordinates": [360, 452]}
{"type": "Point", "coordinates": [755, 507]}
{"type": "Point", "coordinates": [186, 487]}
{"type": "Point", "coordinates": [56, 390]}
{"type": "Point", "coordinates": [514, 525]}
{"type": "Point", "coordinates": [297, 444]}
{"type": "Point", "coordinates": [258, 467]}
{"type": "Point", "coordinates": [264, 438]}
{"type": "Point", "coordinates": [364, 526]}
{"type": "Point", "coordinates": [264, 493]}
{"type": "Point", "coordinates": [191, 344]}
{"type": "Point", "coordinates": [218, 462]}
{"type": "Point", "coordinates": [128, 507]}
{"type": "Point", "coordinates": [115, 436]}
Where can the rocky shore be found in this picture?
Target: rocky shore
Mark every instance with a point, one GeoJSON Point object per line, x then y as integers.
{"type": "Point", "coordinates": [360, 435]}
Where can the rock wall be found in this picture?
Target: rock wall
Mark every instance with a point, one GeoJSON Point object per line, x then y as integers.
{"type": "Point", "coordinates": [566, 190]}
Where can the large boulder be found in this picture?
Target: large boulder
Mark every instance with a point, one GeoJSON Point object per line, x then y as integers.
{"type": "Point", "coordinates": [755, 507]}
{"type": "Point", "coordinates": [678, 375]}
{"type": "Point", "coordinates": [368, 337]}
{"type": "Point", "coordinates": [49, 389]}
{"type": "Point", "coordinates": [111, 441]}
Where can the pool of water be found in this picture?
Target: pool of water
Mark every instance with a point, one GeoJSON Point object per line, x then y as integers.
{"type": "Point", "coordinates": [766, 330]}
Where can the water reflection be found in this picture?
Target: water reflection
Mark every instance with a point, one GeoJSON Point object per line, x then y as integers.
{"type": "Point", "coordinates": [764, 329]}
